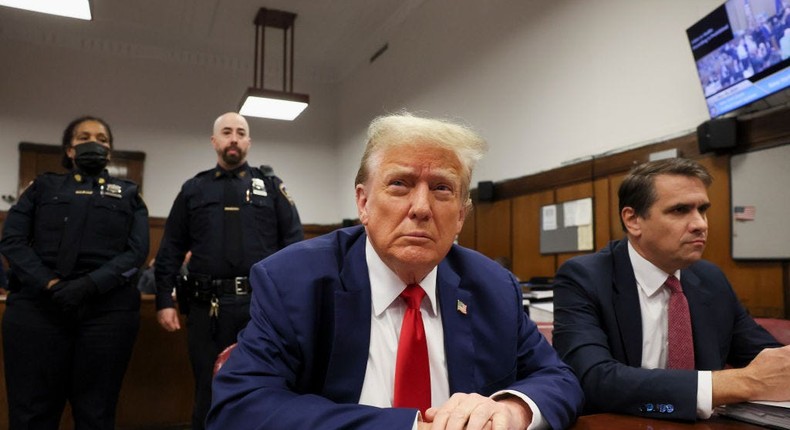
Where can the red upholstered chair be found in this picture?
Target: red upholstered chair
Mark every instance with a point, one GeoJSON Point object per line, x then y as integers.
{"type": "Point", "coordinates": [779, 328]}
{"type": "Point", "coordinates": [223, 357]}
{"type": "Point", "coordinates": [547, 329]}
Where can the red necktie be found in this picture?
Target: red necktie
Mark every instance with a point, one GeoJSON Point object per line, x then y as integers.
{"type": "Point", "coordinates": [412, 373]}
{"type": "Point", "coordinates": [680, 354]}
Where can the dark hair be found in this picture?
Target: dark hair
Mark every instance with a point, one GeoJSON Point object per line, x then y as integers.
{"type": "Point", "coordinates": [68, 134]}
{"type": "Point", "coordinates": [638, 189]}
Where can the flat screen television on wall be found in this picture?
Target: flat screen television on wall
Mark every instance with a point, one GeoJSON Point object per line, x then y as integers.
{"type": "Point", "coordinates": [742, 52]}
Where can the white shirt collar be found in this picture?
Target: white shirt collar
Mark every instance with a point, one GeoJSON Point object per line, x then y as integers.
{"type": "Point", "coordinates": [648, 277]}
{"type": "Point", "coordinates": [385, 286]}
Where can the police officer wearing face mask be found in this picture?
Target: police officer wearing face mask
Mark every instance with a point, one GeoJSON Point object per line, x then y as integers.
{"type": "Point", "coordinates": [73, 242]}
{"type": "Point", "coordinates": [229, 217]}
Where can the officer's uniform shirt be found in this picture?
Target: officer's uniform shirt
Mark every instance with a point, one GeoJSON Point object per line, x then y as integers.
{"type": "Point", "coordinates": [268, 217]}
{"type": "Point", "coordinates": [102, 219]}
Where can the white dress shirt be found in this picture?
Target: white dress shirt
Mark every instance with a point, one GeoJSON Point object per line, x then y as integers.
{"type": "Point", "coordinates": [653, 302]}
{"type": "Point", "coordinates": [386, 318]}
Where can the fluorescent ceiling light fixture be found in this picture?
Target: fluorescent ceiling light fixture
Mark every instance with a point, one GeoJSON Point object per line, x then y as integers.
{"type": "Point", "coordinates": [263, 103]}
{"type": "Point", "coordinates": [80, 9]}
{"type": "Point", "coordinates": [273, 104]}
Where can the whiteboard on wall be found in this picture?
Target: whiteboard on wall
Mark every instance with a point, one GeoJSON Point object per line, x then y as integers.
{"type": "Point", "coordinates": [760, 198]}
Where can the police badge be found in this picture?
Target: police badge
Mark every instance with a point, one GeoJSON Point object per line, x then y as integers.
{"type": "Point", "coordinates": [258, 187]}
{"type": "Point", "coordinates": [112, 190]}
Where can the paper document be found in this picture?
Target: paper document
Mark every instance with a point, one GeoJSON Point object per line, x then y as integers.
{"type": "Point", "coordinates": [769, 403]}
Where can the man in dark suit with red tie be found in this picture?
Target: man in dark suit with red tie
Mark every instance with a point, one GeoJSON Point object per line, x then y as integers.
{"type": "Point", "coordinates": [648, 325]}
{"type": "Point", "coordinates": [390, 325]}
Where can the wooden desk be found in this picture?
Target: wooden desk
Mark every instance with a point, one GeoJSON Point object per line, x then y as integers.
{"type": "Point", "coordinates": [627, 422]}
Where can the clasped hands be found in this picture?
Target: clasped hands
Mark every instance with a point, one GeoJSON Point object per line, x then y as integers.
{"type": "Point", "coordinates": [69, 296]}
{"type": "Point", "coordinates": [476, 412]}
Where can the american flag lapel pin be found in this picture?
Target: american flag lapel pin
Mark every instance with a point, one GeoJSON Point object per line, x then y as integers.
{"type": "Point", "coordinates": [460, 306]}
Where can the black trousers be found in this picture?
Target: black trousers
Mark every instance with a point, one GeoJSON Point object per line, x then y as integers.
{"type": "Point", "coordinates": [51, 359]}
{"type": "Point", "coordinates": [206, 340]}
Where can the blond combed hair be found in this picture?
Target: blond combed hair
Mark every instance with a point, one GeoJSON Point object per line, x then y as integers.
{"type": "Point", "coordinates": [405, 129]}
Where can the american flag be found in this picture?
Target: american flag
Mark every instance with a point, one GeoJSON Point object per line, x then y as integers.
{"type": "Point", "coordinates": [744, 213]}
{"type": "Point", "coordinates": [460, 307]}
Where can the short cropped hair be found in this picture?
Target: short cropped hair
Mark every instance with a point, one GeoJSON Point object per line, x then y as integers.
{"type": "Point", "coordinates": [638, 189]}
{"type": "Point", "coordinates": [402, 129]}
{"type": "Point", "coordinates": [68, 134]}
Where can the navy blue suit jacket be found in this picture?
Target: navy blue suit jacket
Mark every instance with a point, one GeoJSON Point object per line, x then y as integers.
{"type": "Point", "coordinates": [598, 331]}
{"type": "Point", "coordinates": [300, 362]}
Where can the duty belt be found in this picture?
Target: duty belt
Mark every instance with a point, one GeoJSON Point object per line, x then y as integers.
{"type": "Point", "coordinates": [239, 285]}
{"type": "Point", "coordinates": [204, 286]}
{"type": "Point", "coordinates": [208, 289]}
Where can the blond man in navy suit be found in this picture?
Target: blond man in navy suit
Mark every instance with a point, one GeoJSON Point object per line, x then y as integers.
{"type": "Point", "coordinates": [319, 351]}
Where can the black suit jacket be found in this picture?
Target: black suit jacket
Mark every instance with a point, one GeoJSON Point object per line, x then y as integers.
{"type": "Point", "coordinates": [598, 331]}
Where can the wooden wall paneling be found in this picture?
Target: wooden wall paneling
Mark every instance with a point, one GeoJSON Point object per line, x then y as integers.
{"type": "Point", "coordinates": [158, 388]}
{"type": "Point", "coordinates": [45, 162]}
{"type": "Point", "coordinates": [315, 230]}
{"type": "Point", "coordinates": [130, 168]}
{"type": "Point", "coordinates": [492, 229]}
{"type": "Point", "coordinates": [527, 259]}
{"type": "Point", "coordinates": [622, 162]}
{"type": "Point", "coordinates": [551, 179]}
{"type": "Point", "coordinates": [28, 168]}
{"type": "Point", "coordinates": [615, 228]}
{"type": "Point", "coordinates": [602, 234]}
{"type": "Point", "coordinates": [469, 232]}
{"type": "Point", "coordinates": [156, 229]}
{"type": "Point", "coordinates": [618, 163]}
{"type": "Point", "coordinates": [759, 285]}
{"type": "Point", "coordinates": [764, 130]}
{"type": "Point", "coordinates": [718, 246]}
{"type": "Point", "coordinates": [576, 191]}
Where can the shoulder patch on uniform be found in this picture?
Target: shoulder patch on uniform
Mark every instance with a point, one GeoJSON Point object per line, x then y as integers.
{"type": "Point", "coordinates": [285, 193]}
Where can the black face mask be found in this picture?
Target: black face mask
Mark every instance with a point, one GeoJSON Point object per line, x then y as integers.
{"type": "Point", "coordinates": [91, 157]}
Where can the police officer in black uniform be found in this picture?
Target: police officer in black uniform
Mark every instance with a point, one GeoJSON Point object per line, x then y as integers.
{"type": "Point", "coordinates": [73, 242]}
{"type": "Point", "coordinates": [230, 217]}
